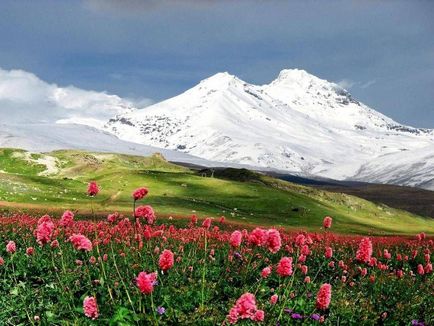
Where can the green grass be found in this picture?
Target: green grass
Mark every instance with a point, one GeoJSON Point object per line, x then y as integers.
{"type": "Point", "coordinates": [240, 195]}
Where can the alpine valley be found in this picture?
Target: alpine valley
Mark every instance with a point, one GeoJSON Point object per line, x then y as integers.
{"type": "Point", "coordinates": [298, 124]}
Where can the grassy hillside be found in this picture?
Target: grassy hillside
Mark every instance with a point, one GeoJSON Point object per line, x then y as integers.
{"type": "Point", "coordinates": [58, 180]}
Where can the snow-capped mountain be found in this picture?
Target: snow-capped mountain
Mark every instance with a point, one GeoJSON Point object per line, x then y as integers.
{"type": "Point", "coordinates": [38, 116]}
{"type": "Point", "coordinates": [297, 123]}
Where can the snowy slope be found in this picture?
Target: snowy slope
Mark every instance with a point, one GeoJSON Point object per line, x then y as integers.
{"type": "Point", "coordinates": [49, 137]}
{"type": "Point", "coordinates": [297, 123]}
{"type": "Point", "coordinates": [410, 168]}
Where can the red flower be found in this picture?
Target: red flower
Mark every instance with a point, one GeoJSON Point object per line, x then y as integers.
{"type": "Point", "coordinates": [207, 223]}
{"type": "Point", "coordinates": [364, 252]}
{"type": "Point", "coordinates": [324, 296]}
{"type": "Point", "coordinates": [166, 260]}
{"type": "Point", "coordinates": [92, 189]}
{"type": "Point", "coordinates": [284, 267]}
{"type": "Point", "coordinates": [146, 212]}
{"type": "Point", "coordinates": [235, 239]}
{"type": "Point", "coordinates": [327, 223]}
{"type": "Point", "coordinates": [140, 193]}
{"type": "Point", "coordinates": [111, 218]}
{"type": "Point", "coordinates": [90, 307]}
{"type": "Point", "coordinates": [145, 282]}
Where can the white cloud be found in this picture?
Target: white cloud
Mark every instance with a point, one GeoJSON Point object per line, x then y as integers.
{"type": "Point", "coordinates": [368, 83]}
{"type": "Point", "coordinates": [346, 83]}
{"type": "Point", "coordinates": [24, 98]}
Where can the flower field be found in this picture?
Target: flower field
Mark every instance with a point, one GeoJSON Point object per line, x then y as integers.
{"type": "Point", "coordinates": [140, 270]}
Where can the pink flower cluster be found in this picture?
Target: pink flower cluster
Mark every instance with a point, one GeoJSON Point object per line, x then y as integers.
{"type": "Point", "coordinates": [284, 267]}
{"type": "Point", "coordinates": [166, 260]}
{"type": "Point", "coordinates": [364, 253]}
{"type": "Point", "coordinates": [92, 189]}
{"type": "Point", "coordinates": [67, 219]}
{"type": "Point", "coordinates": [146, 212]}
{"type": "Point", "coordinates": [45, 229]}
{"type": "Point", "coordinates": [268, 238]}
{"type": "Point", "coordinates": [245, 308]}
{"type": "Point", "coordinates": [140, 193]}
{"type": "Point", "coordinates": [145, 282]}
{"type": "Point", "coordinates": [324, 296]}
{"type": "Point", "coordinates": [80, 242]}
{"type": "Point", "coordinates": [90, 307]}
{"type": "Point", "coordinates": [327, 222]}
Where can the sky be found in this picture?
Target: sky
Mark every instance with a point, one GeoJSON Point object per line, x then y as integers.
{"type": "Point", "coordinates": [150, 50]}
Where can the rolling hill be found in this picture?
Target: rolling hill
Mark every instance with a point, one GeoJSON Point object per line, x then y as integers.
{"type": "Point", "coordinates": [52, 182]}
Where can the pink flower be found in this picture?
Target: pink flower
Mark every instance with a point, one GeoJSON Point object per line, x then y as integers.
{"type": "Point", "coordinates": [207, 223]}
{"type": "Point", "coordinates": [245, 308]}
{"type": "Point", "coordinates": [259, 315]}
{"type": "Point", "coordinates": [146, 212]}
{"type": "Point", "coordinates": [324, 296]}
{"type": "Point", "coordinates": [327, 223]}
{"type": "Point", "coordinates": [90, 307]}
{"type": "Point", "coordinates": [304, 269]}
{"type": "Point", "coordinates": [300, 240]}
{"type": "Point", "coordinates": [30, 251]}
{"type": "Point", "coordinates": [54, 244]}
{"type": "Point", "coordinates": [92, 189]}
{"type": "Point", "coordinates": [421, 236]}
{"type": "Point", "coordinates": [193, 219]}
{"type": "Point", "coordinates": [258, 237]}
{"type": "Point", "coordinates": [145, 282]}
{"type": "Point", "coordinates": [307, 279]}
{"type": "Point", "coordinates": [80, 242]}
{"type": "Point", "coordinates": [111, 218]}
{"type": "Point", "coordinates": [305, 250]}
{"type": "Point", "coordinates": [2, 261]}
{"type": "Point", "coordinates": [266, 272]}
{"type": "Point", "coordinates": [274, 298]}
{"type": "Point", "coordinates": [428, 268]}
{"type": "Point", "coordinates": [11, 247]}
{"type": "Point", "coordinates": [45, 229]}
{"type": "Point", "coordinates": [364, 252]}
{"type": "Point", "coordinates": [140, 193]}
{"type": "Point", "coordinates": [166, 260]}
{"type": "Point", "coordinates": [420, 269]}
{"type": "Point", "coordinates": [329, 253]}
{"type": "Point", "coordinates": [274, 241]}
{"type": "Point", "coordinates": [67, 219]}
{"type": "Point", "coordinates": [235, 239]}
{"type": "Point", "coordinates": [284, 267]}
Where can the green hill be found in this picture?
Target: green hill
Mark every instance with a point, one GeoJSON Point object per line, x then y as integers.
{"type": "Point", "coordinates": [58, 180]}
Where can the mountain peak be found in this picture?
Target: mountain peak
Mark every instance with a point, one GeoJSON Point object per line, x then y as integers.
{"type": "Point", "coordinates": [295, 76]}
{"type": "Point", "coordinates": [221, 80]}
